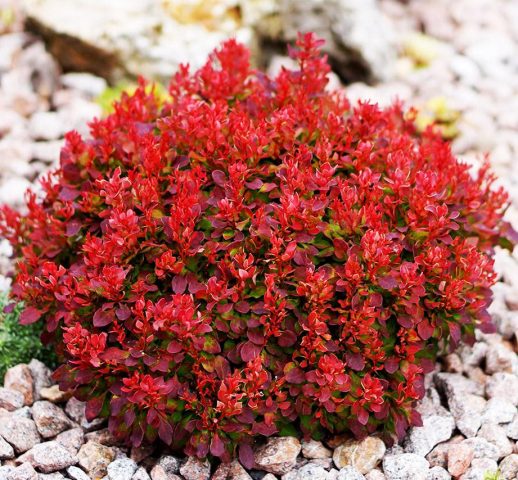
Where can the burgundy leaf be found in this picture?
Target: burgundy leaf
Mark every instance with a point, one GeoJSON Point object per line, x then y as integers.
{"type": "Point", "coordinates": [425, 329]}
{"type": "Point", "coordinates": [355, 361]}
{"type": "Point", "coordinates": [249, 351]}
{"type": "Point", "coordinates": [165, 432]}
{"type": "Point", "coordinates": [219, 178]}
{"type": "Point", "coordinates": [217, 447]}
{"type": "Point", "coordinates": [296, 375]}
{"type": "Point", "coordinates": [246, 456]}
{"type": "Point", "coordinates": [93, 408]}
{"type": "Point", "coordinates": [179, 284]}
{"type": "Point", "coordinates": [29, 315]}
{"type": "Point", "coordinates": [102, 318]}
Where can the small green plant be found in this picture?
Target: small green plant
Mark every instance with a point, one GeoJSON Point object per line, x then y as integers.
{"type": "Point", "coordinates": [113, 93]}
{"type": "Point", "coordinates": [493, 475]}
{"type": "Point", "coordinates": [7, 19]}
{"type": "Point", "coordinates": [20, 343]}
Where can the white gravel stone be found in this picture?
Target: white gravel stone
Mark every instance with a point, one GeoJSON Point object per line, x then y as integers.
{"type": "Point", "coordinates": [88, 84]}
{"type": "Point", "coordinates": [511, 429]}
{"type": "Point", "coordinates": [314, 449]}
{"type": "Point", "coordinates": [482, 448]}
{"type": "Point", "coordinates": [406, 466]}
{"type": "Point", "coordinates": [438, 473]}
{"type": "Point", "coordinates": [75, 473]}
{"type": "Point", "coordinates": [349, 473]}
{"type": "Point", "coordinates": [310, 471]}
{"type": "Point", "coordinates": [499, 410]}
{"type": "Point", "coordinates": [141, 474]}
{"type": "Point", "coordinates": [496, 435]}
{"type": "Point", "coordinates": [20, 432]}
{"type": "Point", "coordinates": [46, 126]}
{"type": "Point", "coordinates": [278, 455]}
{"type": "Point", "coordinates": [13, 189]}
{"type": "Point", "coordinates": [467, 410]}
{"type": "Point", "coordinates": [75, 409]}
{"type": "Point", "coordinates": [48, 457]}
{"type": "Point", "coordinates": [436, 428]}
{"type": "Point", "coordinates": [500, 359]}
{"type": "Point", "coordinates": [503, 385]}
{"type": "Point", "coordinates": [195, 469]}
{"type": "Point", "coordinates": [6, 451]}
{"type": "Point", "coordinates": [364, 455]}
{"type": "Point", "coordinates": [5, 470]}
{"type": "Point", "coordinates": [508, 467]}
{"type": "Point", "coordinates": [72, 439]}
{"type": "Point", "coordinates": [166, 466]}
{"type": "Point", "coordinates": [121, 469]}
{"type": "Point", "coordinates": [375, 475]}
{"type": "Point", "coordinates": [49, 418]}
{"type": "Point", "coordinates": [23, 472]}
{"type": "Point", "coordinates": [10, 399]}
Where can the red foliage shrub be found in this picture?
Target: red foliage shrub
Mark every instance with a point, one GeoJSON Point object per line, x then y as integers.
{"type": "Point", "coordinates": [253, 254]}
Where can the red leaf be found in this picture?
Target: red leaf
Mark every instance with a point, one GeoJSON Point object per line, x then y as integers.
{"type": "Point", "coordinates": [256, 336]}
{"type": "Point", "coordinates": [405, 321]}
{"type": "Point", "coordinates": [219, 178]}
{"type": "Point", "coordinates": [249, 351]}
{"type": "Point", "coordinates": [246, 456]}
{"type": "Point", "coordinates": [287, 338]}
{"type": "Point", "coordinates": [129, 417]}
{"type": "Point", "coordinates": [242, 307]}
{"type": "Point", "coordinates": [295, 375]}
{"type": "Point", "coordinates": [355, 361]}
{"type": "Point", "coordinates": [30, 315]}
{"type": "Point", "coordinates": [217, 447]}
{"type": "Point", "coordinates": [221, 367]}
{"type": "Point", "coordinates": [262, 428]}
{"type": "Point", "coordinates": [174, 347]}
{"type": "Point", "coordinates": [165, 432]}
{"type": "Point", "coordinates": [93, 408]}
{"type": "Point", "coordinates": [415, 419]}
{"type": "Point", "coordinates": [102, 318]}
{"type": "Point", "coordinates": [255, 184]}
{"type": "Point", "coordinates": [454, 331]}
{"type": "Point", "coordinates": [388, 282]}
{"type": "Point", "coordinates": [363, 416]}
{"type": "Point", "coordinates": [425, 329]}
{"type": "Point", "coordinates": [73, 227]}
{"type": "Point", "coordinates": [179, 284]}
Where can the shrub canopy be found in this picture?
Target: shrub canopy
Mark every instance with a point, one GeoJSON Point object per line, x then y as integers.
{"type": "Point", "coordinates": [253, 256]}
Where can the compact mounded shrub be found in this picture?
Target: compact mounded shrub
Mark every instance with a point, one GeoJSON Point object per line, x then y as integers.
{"type": "Point", "coordinates": [253, 256]}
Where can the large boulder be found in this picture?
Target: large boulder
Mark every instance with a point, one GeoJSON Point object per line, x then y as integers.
{"type": "Point", "coordinates": [127, 37]}
{"type": "Point", "coordinates": [360, 40]}
{"type": "Point", "coordinates": [153, 37]}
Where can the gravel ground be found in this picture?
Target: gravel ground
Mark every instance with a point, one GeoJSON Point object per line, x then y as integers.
{"type": "Point", "coordinates": [462, 70]}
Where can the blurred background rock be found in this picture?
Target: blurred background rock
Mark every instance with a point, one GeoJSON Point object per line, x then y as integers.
{"type": "Point", "coordinates": [152, 37]}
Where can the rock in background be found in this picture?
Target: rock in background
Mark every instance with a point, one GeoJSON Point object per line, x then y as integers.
{"type": "Point", "coordinates": [153, 37]}
{"type": "Point", "coordinates": [133, 37]}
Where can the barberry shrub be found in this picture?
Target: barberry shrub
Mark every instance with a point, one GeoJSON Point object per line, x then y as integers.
{"type": "Point", "coordinates": [254, 256]}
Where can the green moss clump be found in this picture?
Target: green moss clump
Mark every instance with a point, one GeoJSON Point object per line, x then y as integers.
{"type": "Point", "coordinates": [21, 343]}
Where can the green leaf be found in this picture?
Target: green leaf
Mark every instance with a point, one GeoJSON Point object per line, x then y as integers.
{"type": "Point", "coordinates": [506, 243]}
{"type": "Point", "coordinates": [21, 343]}
{"type": "Point", "coordinates": [288, 430]}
